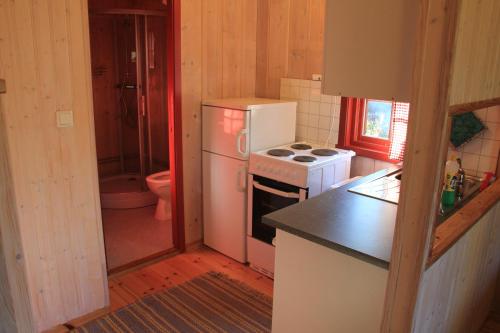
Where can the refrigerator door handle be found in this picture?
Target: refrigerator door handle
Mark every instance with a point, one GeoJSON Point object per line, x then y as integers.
{"type": "Point", "coordinates": [241, 184]}
{"type": "Point", "coordinates": [242, 133]}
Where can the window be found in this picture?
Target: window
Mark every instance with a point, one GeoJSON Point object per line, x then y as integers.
{"type": "Point", "coordinates": [377, 119]}
{"type": "Point", "coordinates": [374, 128]}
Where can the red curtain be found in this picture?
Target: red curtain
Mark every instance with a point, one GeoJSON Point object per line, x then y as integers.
{"type": "Point", "coordinates": [399, 128]}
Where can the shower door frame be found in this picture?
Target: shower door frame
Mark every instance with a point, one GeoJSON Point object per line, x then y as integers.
{"type": "Point", "coordinates": [173, 95]}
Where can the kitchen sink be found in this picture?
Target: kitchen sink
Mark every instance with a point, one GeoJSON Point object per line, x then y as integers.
{"type": "Point", "coordinates": [471, 188]}
{"type": "Point", "coordinates": [385, 188]}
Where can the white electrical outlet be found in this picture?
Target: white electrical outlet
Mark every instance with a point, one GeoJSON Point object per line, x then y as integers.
{"type": "Point", "coordinates": [316, 77]}
{"type": "Point", "coordinates": [64, 119]}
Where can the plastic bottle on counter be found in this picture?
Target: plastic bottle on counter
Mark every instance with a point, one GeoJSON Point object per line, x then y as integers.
{"type": "Point", "coordinates": [450, 179]}
{"type": "Point", "coordinates": [486, 181]}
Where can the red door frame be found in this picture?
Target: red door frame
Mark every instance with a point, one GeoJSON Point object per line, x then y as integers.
{"type": "Point", "coordinates": [175, 120]}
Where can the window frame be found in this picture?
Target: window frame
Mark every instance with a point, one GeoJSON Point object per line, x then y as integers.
{"type": "Point", "coordinates": [352, 118]}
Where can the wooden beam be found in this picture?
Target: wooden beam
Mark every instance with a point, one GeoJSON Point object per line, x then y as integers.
{"type": "Point", "coordinates": [128, 11]}
{"type": "Point", "coordinates": [427, 139]}
{"type": "Point", "coordinates": [467, 107]}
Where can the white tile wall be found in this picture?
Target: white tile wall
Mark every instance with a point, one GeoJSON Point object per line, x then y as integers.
{"type": "Point", "coordinates": [317, 114]}
{"type": "Point", "coordinates": [481, 154]}
{"type": "Point", "coordinates": [318, 120]}
{"type": "Point", "coordinates": [363, 166]}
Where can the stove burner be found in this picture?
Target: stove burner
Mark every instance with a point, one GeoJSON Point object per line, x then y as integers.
{"type": "Point", "coordinates": [324, 152]}
{"type": "Point", "coordinates": [300, 146]}
{"type": "Point", "coordinates": [304, 158]}
{"type": "Point", "coordinates": [280, 152]}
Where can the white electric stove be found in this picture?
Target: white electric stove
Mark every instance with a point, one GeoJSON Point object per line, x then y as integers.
{"type": "Point", "coordinates": [280, 177]}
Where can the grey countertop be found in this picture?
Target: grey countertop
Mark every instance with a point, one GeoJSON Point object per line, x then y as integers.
{"type": "Point", "coordinates": [351, 223]}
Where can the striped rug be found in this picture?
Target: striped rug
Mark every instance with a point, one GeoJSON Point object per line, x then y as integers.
{"type": "Point", "coordinates": [209, 303]}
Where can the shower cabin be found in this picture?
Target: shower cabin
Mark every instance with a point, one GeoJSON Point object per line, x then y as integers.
{"type": "Point", "coordinates": [129, 83]}
{"type": "Point", "coordinates": [131, 120]}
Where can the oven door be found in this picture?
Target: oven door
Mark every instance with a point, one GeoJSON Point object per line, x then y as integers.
{"type": "Point", "coordinates": [266, 196]}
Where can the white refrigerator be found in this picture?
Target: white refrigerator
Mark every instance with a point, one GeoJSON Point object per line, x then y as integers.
{"type": "Point", "coordinates": [231, 129]}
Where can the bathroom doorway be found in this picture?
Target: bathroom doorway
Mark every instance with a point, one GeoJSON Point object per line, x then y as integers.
{"type": "Point", "coordinates": [135, 126]}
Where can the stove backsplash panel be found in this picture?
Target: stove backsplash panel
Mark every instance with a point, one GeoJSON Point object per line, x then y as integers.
{"type": "Point", "coordinates": [317, 114]}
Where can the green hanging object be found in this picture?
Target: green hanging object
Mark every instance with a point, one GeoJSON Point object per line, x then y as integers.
{"type": "Point", "coordinates": [464, 127]}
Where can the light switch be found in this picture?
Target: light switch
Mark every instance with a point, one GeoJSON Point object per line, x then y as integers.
{"type": "Point", "coordinates": [64, 119]}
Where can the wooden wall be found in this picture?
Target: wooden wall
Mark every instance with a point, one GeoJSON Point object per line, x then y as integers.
{"type": "Point", "coordinates": [457, 291]}
{"type": "Point", "coordinates": [15, 309]}
{"type": "Point", "coordinates": [157, 71]}
{"type": "Point", "coordinates": [289, 42]}
{"type": "Point", "coordinates": [476, 70]}
{"type": "Point", "coordinates": [45, 59]}
{"type": "Point", "coordinates": [127, 4]}
{"type": "Point", "coordinates": [218, 52]}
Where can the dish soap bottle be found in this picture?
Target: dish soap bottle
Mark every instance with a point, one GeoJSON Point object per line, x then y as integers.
{"type": "Point", "coordinates": [450, 178]}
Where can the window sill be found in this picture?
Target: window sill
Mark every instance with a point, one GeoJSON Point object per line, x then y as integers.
{"type": "Point", "coordinates": [364, 152]}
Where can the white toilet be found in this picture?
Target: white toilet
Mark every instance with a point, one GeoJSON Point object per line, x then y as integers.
{"type": "Point", "coordinates": [159, 184]}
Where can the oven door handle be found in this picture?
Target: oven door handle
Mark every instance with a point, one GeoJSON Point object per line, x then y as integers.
{"type": "Point", "coordinates": [291, 195]}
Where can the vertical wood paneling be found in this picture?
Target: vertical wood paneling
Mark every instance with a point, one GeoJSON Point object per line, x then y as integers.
{"type": "Point", "coordinates": [46, 62]}
{"type": "Point", "coordinates": [248, 48]}
{"type": "Point", "coordinates": [158, 115]}
{"type": "Point", "coordinates": [314, 56]}
{"type": "Point", "coordinates": [232, 28]}
{"type": "Point", "coordinates": [476, 69]}
{"type": "Point", "coordinates": [298, 38]}
{"type": "Point", "coordinates": [191, 71]}
{"type": "Point", "coordinates": [277, 66]}
{"type": "Point", "coordinates": [218, 55]}
{"type": "Point", "coordinates": [92, 272]}
{"type": "Point", "coordinates": [457, 291]}
{"type": "Point", "coordinates": [212, 49]}
{"type": "Point", "coordinates": [7, 314]}
{"type": "Point", "coordinates": [289, 42]}
{"type": "Point", "coordinates": [15, 307]}
{"type": "Point", "coordinates": [262, 52]}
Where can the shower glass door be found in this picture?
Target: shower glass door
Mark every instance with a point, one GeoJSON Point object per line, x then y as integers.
{"type": "Point", "coordinates": [139, 72]}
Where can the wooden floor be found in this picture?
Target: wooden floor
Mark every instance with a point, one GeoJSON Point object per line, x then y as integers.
{"type": "Point", "coordinates": [127, 288]}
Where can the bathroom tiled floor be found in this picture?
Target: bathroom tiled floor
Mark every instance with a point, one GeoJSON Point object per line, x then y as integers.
{"type": "Point", "coordinates": [133, 234]}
